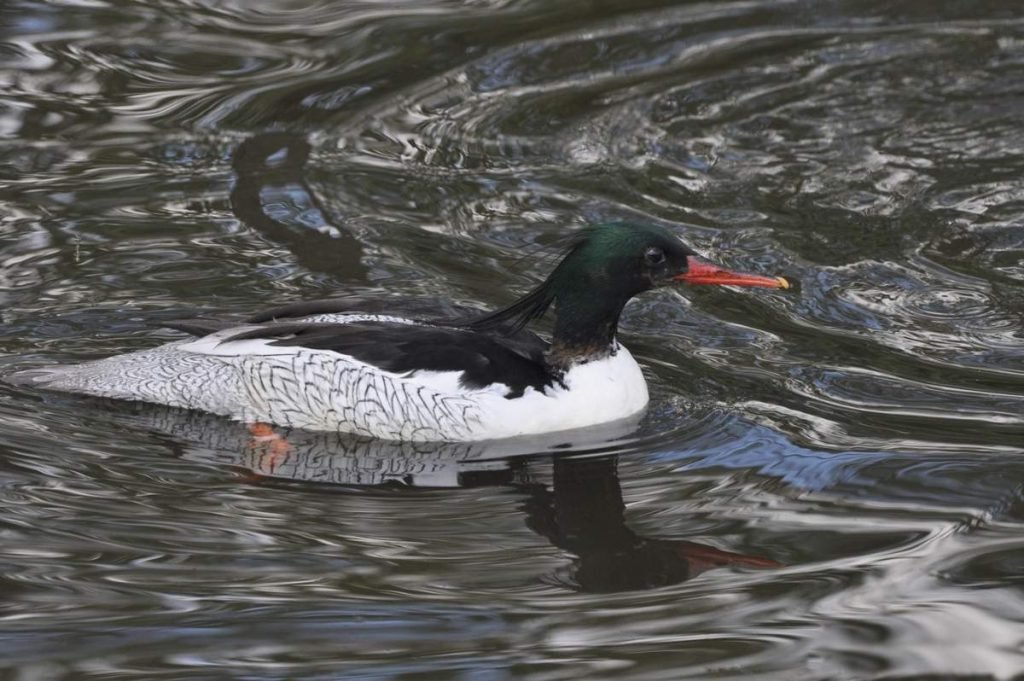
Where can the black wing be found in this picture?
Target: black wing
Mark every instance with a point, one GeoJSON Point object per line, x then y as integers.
{"type": "Point", "coordinates": [483, 359]}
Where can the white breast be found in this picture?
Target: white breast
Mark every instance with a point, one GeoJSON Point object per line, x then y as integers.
{"type": "Point", "coordinates": [599, 391]}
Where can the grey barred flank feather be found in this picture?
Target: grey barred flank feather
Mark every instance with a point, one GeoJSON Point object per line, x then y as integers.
{"type": "Point", "coordinates": [310, 389]}
{"type": "Point", "coordinates": [304, 389]}
{"type": "Point", "coordinates": [163, 375]}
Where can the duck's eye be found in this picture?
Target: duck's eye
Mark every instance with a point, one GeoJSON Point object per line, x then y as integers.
{"type": "Point", "coordinates": [654, 256]}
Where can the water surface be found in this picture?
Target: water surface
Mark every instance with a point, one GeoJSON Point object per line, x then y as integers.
{"type": "Point", "coordinates": [828, 483]}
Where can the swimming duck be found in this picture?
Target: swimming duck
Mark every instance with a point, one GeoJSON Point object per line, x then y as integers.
{"type": "Point", "coordinates": [335, 365]}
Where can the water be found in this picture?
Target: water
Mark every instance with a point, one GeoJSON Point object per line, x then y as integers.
{"type": "Point", "coordinates": [828, 484]}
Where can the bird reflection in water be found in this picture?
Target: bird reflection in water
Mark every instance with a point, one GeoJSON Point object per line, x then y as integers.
{"type": "Point", "coordinates": [581, 510]}
{"type": "Point", "coordinates": [584, 514]}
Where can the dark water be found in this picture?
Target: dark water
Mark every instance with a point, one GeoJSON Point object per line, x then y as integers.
{"type": "Point", "coordinates": [828, 484]}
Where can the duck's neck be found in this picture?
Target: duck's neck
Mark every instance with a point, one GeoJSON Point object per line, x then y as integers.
{"type": "Point", "coordinates": [587, 318]}
{"type": "Point", "coordinates": [585, 329]}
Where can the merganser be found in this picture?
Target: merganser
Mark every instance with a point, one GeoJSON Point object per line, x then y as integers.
{"type": "Point", "coordinates": [334, 366]}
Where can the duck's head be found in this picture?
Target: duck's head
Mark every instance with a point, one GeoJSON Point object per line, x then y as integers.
{"type": "Point", "coordinates": [620, 260]}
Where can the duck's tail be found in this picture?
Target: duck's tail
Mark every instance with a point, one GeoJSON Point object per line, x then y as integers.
{"type": "Point", "coordinates": [163, 375]}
